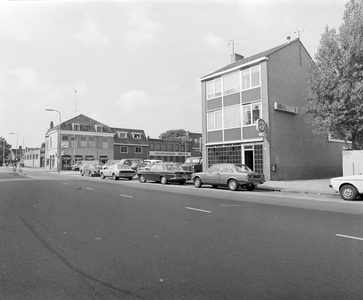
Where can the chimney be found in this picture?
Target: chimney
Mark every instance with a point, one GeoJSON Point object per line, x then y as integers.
{"type": "Point", "coordinates": [236, 57]}
{"type": "Point", "coordinates": [288, 39]}
{"type": "Point", "coordinates": [51, 124]}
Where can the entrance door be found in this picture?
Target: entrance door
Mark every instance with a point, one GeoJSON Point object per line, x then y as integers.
{"type": "Point", "coordinates": [249, 158]}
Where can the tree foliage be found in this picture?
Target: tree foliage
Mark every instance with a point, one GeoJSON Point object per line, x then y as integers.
{"type": "Point", "coordinates": [4, 146]}
{"type": "Point", "coordinates": [335, 102]}
{"type": "Point", "coordinates": [173, 133]}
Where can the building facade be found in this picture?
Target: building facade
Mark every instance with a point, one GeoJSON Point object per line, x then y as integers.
{"type": "Point", "coordinates": [175, 149]}
{"type": "Point", "coordinates": [252, 113]}
{"type": "Point", "coordinates": [32, 157]}
{"type": "Point", "coordinates": [82, 138]}
{"type": "Point", "coordinates": [130, 143]}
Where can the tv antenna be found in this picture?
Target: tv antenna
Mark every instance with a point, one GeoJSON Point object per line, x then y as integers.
{"type": "Point", "coordinates": [75, 102]}
{"type": "Point", "coordinates": [297, 31]}
{"type": "Point", "coordinates": [232, 42]}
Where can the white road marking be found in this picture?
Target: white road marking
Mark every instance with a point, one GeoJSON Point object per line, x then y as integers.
{"type": "Point", "coordinates": [87, 188]}
{"type": "Point", "coordinates": [127, 196]}
{"type": "Point", "coordinates": [65, 183]}
{"type": "Point", "coordinates": [350, 237]}
{"type": "Point", "coordinates": [229, 205]}
{"type": "Point", "coordinates": [197, 209]}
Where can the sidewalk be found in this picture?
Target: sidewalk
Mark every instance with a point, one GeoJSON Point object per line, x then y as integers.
{"type": "Point", "coordinates": [312, 186]}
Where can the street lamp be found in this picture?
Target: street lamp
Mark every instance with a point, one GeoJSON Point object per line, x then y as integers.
{"type": "Point", "coordinates": [16, 151]}
{"type": "Point", "coordinates": [59, 137]}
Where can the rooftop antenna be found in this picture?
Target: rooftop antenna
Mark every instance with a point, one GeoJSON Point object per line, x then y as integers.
{"type": "Point", "coordinates": [75, 102]}
{"type": "Point", "coordinates": [232, 42]}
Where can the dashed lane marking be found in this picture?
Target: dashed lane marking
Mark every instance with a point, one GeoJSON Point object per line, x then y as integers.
{"type": "Point", "coordinates": [127, 196]}
{"type": "Point", "coordinates": [88, 188]}
{"type": "Point", "coordinates": [197, 209]}
{"type": "Point", "coordinates": [350, 237]}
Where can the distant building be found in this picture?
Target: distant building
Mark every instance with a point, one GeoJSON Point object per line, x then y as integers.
{"type": "Point", "coordinates": [32, 158]}
{"type": "Point", "coordinates": [175, 149]}
{"type": "Point", "coordinates": [82, 138]}
{"type": "Point", "coordinates": [129, 143]}
{"type": "Point", "coordinates": [252, 114]}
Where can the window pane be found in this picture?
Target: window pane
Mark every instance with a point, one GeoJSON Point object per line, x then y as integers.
{"type": "Point", "coordinates": [247, 115]}
{"type": "Point", "coordinates": [255, 76]}
{"type": "Point", "coordinates": [256, 112]}
{"type": "Point", "coordinates": [218, 87]}
{"type": "Point", "coordinates": [232, 117]}
{"type": "Point", "coordinates": [211, 121]}
{"type": "Point", "coordinates": [218, 120]}
{"type": "Point", "coordinates": [231, 83]}
{"type": "Point", "coordinates": [83, 142]}
{"type": "Point", "coordinates": [245, 79]}
{"type": "Point", "coordinates": [210, 89]}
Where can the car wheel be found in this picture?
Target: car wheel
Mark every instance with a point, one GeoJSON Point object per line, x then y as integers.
{"type": "Point", "coordinates": [233, 185]}
{"type": "Point", "coordinates": [250, 187]}
{"type": "Point", "coordinates": [103, 176]}
{"type": "Point", "coordinates": [142, 179]}
{"type": "Point", "coordinates": [348, 192]}
{"type": "Point", "coordinates": [82, 173]}
{"type": "Point", "coordinates": [114, 177]}
{"type": "Point", "coordinates": [182, 182]}
{"type": "Point", "coordinates": [163, 180]}
{"type": "Point", "coordinates": [130, 178]}
{"type": "Point", "coordinates": [197, 182]}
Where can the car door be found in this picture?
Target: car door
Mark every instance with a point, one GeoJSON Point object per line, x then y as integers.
{"type": "Point", "coordinates": [150, 174]}
{"type": "Point", "coordinates": [225, 174]}
{"type": "Point", "coordinates": [108, 170]}
{"type": "Point", "coordinates": [212, 175]}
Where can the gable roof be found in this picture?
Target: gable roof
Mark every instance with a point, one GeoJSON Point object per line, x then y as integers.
{"type": "Point", "coordinates": [252, 58]}
{"type": "Point", "coordinates": [129, 140]}
{"type": "Point", "coordinates": [86, 124]}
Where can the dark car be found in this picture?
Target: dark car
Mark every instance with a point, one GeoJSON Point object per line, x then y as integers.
{"type": "Point", "coordinates": [134, 163]}
{"type": "Point", "coordinates": [117, 171]}
{"type": "Point", "coordinates": [164, 173]}
{"type": "Point", "coordinates": [231, 175]}
{"type": "Point", "coordinates": [193, 164]}
{"type": "Point", "coordinates": [91, 169]}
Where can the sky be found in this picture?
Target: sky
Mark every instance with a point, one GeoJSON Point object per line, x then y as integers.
{"type": "Point", "coordinates": [134, 64]}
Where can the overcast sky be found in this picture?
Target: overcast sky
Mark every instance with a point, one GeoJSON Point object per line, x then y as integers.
{"type": "Point", "coordinates": [134, 64]}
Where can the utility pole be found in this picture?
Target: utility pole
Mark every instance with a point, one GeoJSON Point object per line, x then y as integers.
{"type": "Point", "coordinates": [75, 102]}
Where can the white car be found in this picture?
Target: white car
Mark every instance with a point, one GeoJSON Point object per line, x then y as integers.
{"type": "Point", "coordinates": [349, 187]}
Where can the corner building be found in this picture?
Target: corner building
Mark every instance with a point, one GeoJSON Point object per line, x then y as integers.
{"type": "Point", "coordinates": [269, 89]}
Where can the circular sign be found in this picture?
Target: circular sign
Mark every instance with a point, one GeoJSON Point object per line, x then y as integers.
{"type": "Point", "coordinates": [261, 125]}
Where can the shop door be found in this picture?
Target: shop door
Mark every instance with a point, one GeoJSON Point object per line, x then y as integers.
{"type": "Point", "coordinates": [249, 158]}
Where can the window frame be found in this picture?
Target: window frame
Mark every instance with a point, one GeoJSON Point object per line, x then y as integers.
{"type": "Point", "coordinates": [124, 147]}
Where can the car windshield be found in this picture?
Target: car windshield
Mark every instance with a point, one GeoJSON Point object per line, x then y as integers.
{"type": "Point", "coordinates": [173, 167]}
{"type": "Point", "coordinates": [242, 168]}
{"type": "Point", "coordinates": [123, 167]}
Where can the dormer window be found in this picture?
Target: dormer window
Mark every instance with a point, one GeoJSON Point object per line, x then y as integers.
{"type": "Point", "coordinates": [76, 127]}
{"type": "Point", "coordinates": [136, 135]}
{"type": "Point", "coordinates": [99, 128]}
{"type": "Point", "coordinates": [122, 135]}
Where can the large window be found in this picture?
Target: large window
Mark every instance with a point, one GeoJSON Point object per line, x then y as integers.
{"type": "Point", "coordinates": [214, 88]}
{"type": "Point", "coordinates": [251, 113]}
{"type": "Point", "coordinates": [232, 117]}
{"type": "Point", "coordinates": [124, 149]}
{"type": "Point", "coordinates": [91, 142]}
{"type": "Point", "coordinates": [105, 143]}
{"type": "Point", "coordinates": [231, 83]}
{"type": "Point", "coordinates": [83, 142]}
{"type": "Point", "coordinates": [215, 120]}
{"type": "Point", "coordinates": [138, 150]}
{"type": "Point", "coordinates": [250, 78]}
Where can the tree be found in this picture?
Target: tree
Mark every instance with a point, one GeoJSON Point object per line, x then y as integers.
{"type": "Point", "coordinates": [335, 103]}
{"type": "Point", "coordinates": [173, 133]}
{"type": "Point", "coordinates": [4, 150]}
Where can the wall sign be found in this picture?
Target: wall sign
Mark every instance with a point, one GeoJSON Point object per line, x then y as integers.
{"type": "Point", "coordinates": [287, 108]}
{"type": "Point", "coordinates": [261, 125]}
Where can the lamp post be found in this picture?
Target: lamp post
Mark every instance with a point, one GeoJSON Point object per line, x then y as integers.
{"type": "Point", "coordinates": [16, 151]}
{"type": "Point", "coordinates": [59, 137]}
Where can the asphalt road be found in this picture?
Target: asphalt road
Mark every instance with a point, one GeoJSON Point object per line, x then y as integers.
{"type": "Point", "coordinates": [70, 237]}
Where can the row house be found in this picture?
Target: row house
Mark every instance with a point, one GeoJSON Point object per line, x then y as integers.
{"type": "Point", "coordinates": [81, 138]}
{"type": "Point", "coordinates": [252, 113]}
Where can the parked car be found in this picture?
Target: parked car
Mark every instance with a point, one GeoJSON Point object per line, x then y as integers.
{"type": "Point", "coordinates": [134, 163]}
{"type": "Point", "coordinates": [231, 175]}
{"type": "Point", "coordinates": [164, 173]}
{"type": "Point", "coordinates": [117, 171]}
{"type": "Point", "coordinates": [193, 164]}
{"type": "Point", "coordinates": [77, 165]}
{"type": "Point", "coordinates": [91, 169]}
{"type": "Point", "coordinates": [349, 187]}
{"type": "Point", "coordinates": [109, 163]}
{"type": "Point", "coordinates": [149, 162]}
